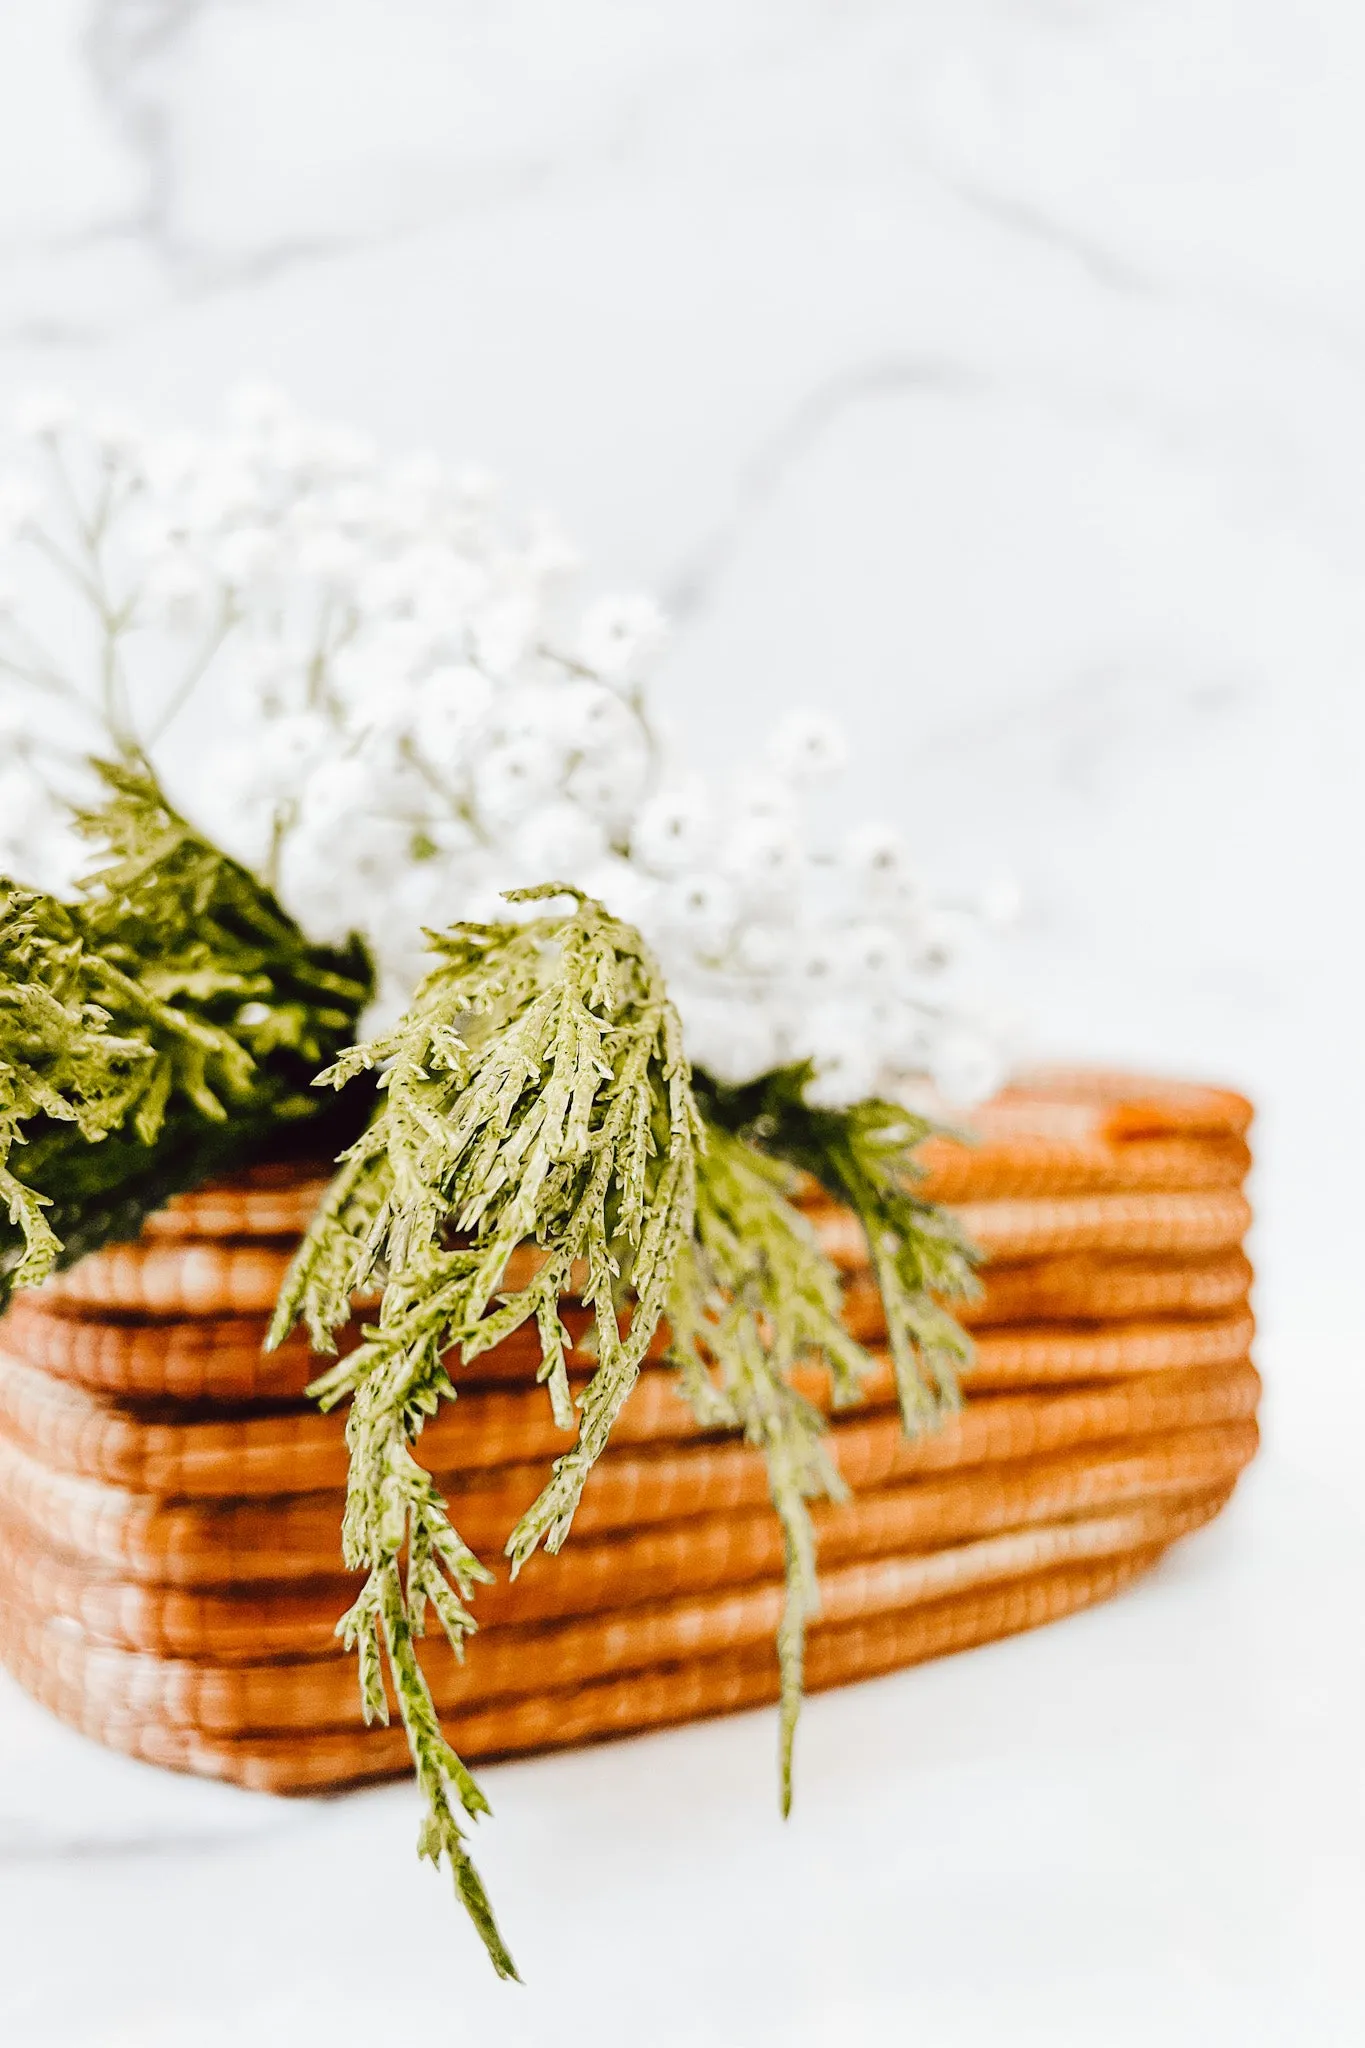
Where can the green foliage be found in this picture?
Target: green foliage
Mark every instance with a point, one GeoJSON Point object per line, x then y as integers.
{"type": "Point", "coordinates": [535, 1093]}
{"type": "Point", "coordinates": [864, 1156]}
{"type": "Point", "coordinates": [533, 1132]}
{"type": "Point", "coordinates": [162, 1027]}
{"type": "Point", "coordinates": [754, 1296]}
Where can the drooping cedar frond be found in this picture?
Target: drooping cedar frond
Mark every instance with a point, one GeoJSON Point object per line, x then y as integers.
{"type": "Point", "coordinates": [534, 1095]}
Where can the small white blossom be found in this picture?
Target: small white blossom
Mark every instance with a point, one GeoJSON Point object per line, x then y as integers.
{"type": "Point", "coordinates": [815, 964]}
{"type": "Point", "coordinates": [966, 1065]}
{"type": "Point", "coordinates": [876, 860]}
{"type": "Point", "coordinates": [673, 830]}
{"type": "Point", "coordinates": [449, 706]}
{"type": "Point", "coordinates": [609, 789]}
{"type": "Point", "coordinates": [871, 954]}
{"type": "Point", "coordinates": [556, 842]}
{"type": "Point", "coordinates": [761, 949]}
{"type": "Point", "coordinates": [512, 779]}
{"type": "Point", "coordinates": [809, 747]}
{"type": "Point", "coordinates": [762, 799]}
{"type": "Point", "coordinates": [700, 910]}
{"type": "Point", "coordinates": [764, 859]}
{"type": "Point", "coordinates": [620, 637]}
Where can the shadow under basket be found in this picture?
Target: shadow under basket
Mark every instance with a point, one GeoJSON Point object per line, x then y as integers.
{"type": "Point", "coordinates": [170, 1503]}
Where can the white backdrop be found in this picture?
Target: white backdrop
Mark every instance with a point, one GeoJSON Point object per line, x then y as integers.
{"type": "Point", "coordinates": [992, 373]}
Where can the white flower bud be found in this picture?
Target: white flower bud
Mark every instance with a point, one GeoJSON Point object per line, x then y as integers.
{"type": "Point", "coordinates": [761, 949]}
{"type": "Point", "coordinates": [608, 788]}
{"type": "Point", "coordinates": [620, 637]}
{"type": "Point", "coordinates": [764, 858]}
{"type": "Point", "coordinates": [762, 799]}
{"type": "Point", "coordinates": [558, 843]}
{"type": "Point", "coordinates": [836, 1039]}
{"type": "Point", "coordinates": [590, 719]}
{"type": "Point", "coordinates": [511, 780]}
{"type": "Point", "coordinates": [448, 710]}
{"type": "Point", "coordinates": [699, 909]}
{"type": "Point", "coordinates": [966, 1067]}
{"type": "Point", "coordinates": [871, 954]}
{"type": "Point", "coordinates": [178, 587]}
{"type": "Point", "coordinates": [673, 831]}
{"type": "Point", "coordinates": [808, 747]}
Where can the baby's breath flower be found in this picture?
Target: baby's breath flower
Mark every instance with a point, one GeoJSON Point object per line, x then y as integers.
{"type": "Point", "coordinates": [557, 839]}
{"type": "Point", "coordinates": [620, 638]}
{"type": "Point", "coordinates": [414, 713]}
{"type": "Point", "coordinates": [700, 910]}
{"type": "Point", "coordinates": [876, 858]}
{"type": "Point", "coordinates": [764, 858]}
{"type": "Point", "coordinates": [809, 747]}
{"type": "Point", "coordinates": [513, 779]}
{"type": "Point", "coordinates": [449, 704]}
{"type": "Point", "coordinates": [673, 829]}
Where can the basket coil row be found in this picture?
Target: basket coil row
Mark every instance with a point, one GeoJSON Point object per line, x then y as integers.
{"type": "Point", "coordinates": [170, 1504]}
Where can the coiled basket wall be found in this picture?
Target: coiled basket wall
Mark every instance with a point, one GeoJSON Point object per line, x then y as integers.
{"type": "Point", "coordinates": [170, 1503]}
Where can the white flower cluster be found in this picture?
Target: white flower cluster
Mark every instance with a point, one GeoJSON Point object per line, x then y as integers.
{"type": "Point", "coordinates": [362, 680]}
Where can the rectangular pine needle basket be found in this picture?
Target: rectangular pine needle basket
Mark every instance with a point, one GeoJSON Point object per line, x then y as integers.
{"type": "Point", "coordinates": [170, 1502]}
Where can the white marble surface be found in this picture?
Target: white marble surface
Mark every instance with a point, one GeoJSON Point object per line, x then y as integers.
{"type": "Point", "coordinates": [997, 371]}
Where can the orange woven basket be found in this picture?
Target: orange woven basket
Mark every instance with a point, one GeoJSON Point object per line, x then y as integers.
{"type": "Point", "coordinates": [170, 1504]}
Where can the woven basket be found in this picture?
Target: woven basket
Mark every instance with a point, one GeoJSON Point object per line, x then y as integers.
{"type": "Point", "coordinates": [170, 1570]}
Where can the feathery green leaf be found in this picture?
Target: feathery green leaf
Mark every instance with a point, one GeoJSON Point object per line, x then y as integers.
{"type": "Point", "coordinates": [535, 1095]}
{"type": "Point", "coordinates": [162, 1027]}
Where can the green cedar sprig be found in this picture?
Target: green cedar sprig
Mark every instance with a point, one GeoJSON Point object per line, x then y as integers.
{"type": "Point", "coordinates": [162, 1027]}
{"type": "Point", "coordinates": [864, 1156]}
{"type": "Point", "coordinates": [535, 1093]}
{"type": "Point", "coordinates": [753, 1297]}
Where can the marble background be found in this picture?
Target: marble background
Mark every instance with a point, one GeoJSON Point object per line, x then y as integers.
{"type": "Point", "coordinates": [995, 372]}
